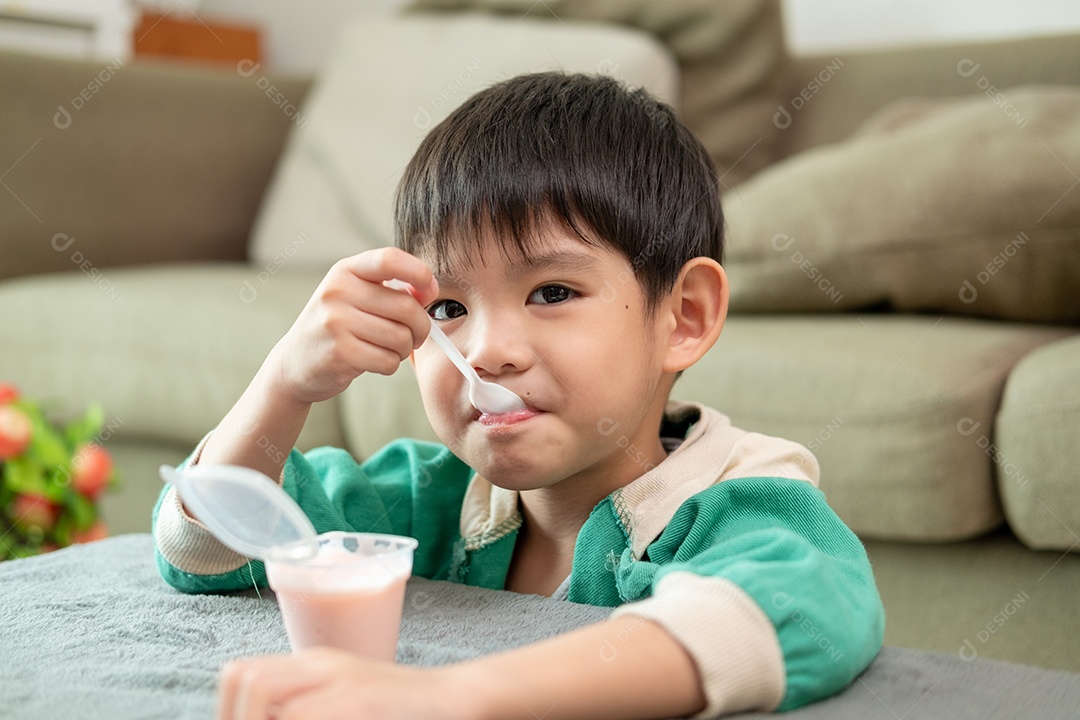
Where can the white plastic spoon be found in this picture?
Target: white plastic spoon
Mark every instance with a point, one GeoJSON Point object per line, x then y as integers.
{"type": "Point", "coordinates": [487, 397]}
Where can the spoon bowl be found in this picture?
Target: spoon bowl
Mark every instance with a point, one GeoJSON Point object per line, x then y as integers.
{"type": "Point", "coordinates": [487, 397]}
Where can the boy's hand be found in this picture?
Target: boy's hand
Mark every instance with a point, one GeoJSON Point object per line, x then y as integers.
{"type": "Point", "coordinates": [354, 324]}
{"type": "Point", "coordinates": [327, 684]}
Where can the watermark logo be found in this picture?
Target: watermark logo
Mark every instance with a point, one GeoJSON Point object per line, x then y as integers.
{"type": "Point", "coordinates": [422, 119]}
{"type": "Point", "coordinates": [782, 601]}
{"type": "Point", "coordinates": [607, 66]}
{"type": "Point", "coordinates": [247, 68]}
{"type": "Point", "coordinates": [968, 650]}
{"type": "Point", "coordinates": [248, 292]}
{"type": "Point", "coordinates": [608, 650]}
{"type": "Point", "coordinates": [782, 242]}
{"type": "Point", "coordinates": [63, 117]}
{"type": "Point", "coordinates": [607, 427]}
{"type": "Point", "coordinates": [967, 68]}
{"type": "Point", "coordinates": [968, 427]}
{"type": "Point", "coordinates": [782, 118]}
{"type": "Point", "coordinates": [968, 292]}
{"type": "Point", "coordinates": [609, 293]}
{"type": "Point", "coordinates": [825, 434]}
{"type": "Point", "coordinates": [61, 242]}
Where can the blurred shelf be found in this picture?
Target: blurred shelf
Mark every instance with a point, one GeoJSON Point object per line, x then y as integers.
{"type": "Point", "coordinates": [196, 38]}
{"type": "Point", "coordinates": [98, 29]}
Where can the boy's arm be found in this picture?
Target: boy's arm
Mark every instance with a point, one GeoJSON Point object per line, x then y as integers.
{"type": "Point", "coordinates": [767, 589]}
{"type": "Point", "coordinates": [352, 324]}
{"type": "Point", "coordinates": [264, 420]}
{"type": "Point", "coordinates": [622, 668]}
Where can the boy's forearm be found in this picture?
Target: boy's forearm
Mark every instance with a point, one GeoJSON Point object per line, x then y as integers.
{"type": "Point", "coordinates": [624, 668]}
{"type": "Point", "coordinates": [258, 432]}
{"type": "Point", "coordinates": [260, 429]}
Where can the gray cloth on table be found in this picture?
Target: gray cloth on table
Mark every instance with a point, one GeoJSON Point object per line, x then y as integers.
{"type": "Point", "coordinates": [93, 632]}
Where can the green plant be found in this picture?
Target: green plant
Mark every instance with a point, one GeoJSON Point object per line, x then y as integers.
{"type": "Point", "coordinates": [51, 478]}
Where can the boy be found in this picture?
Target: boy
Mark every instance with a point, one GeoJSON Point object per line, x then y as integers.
{"type": "Point", "coordinates": [566, 234]}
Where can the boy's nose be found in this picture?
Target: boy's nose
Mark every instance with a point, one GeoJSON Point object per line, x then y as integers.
{"type": "Point", "coordinates": [495, 346]}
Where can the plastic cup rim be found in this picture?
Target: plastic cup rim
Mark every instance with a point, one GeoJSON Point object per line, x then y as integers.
{"type": "Point", "coordinates": [400, 544]}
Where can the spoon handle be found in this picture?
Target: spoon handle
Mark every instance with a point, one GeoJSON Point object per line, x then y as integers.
{"type": "Point", "coordinates": [442, 341]}
{"type": "Point", "coordinates": [452, 352]}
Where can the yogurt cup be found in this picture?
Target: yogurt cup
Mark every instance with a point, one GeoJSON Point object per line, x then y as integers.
{"type": "Point", "coordinates": [349, 596]}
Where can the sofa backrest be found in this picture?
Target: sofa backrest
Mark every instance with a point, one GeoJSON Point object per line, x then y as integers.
{"type": "Point", "coordinates": [826, 97]}
{"type": "Point", "coordinates": [112, 163]}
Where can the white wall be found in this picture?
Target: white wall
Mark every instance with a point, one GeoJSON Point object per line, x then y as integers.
{"type": "Point", "coordinates": [823, 26]}
{"type": "Point", "coordinates": [298, 34]}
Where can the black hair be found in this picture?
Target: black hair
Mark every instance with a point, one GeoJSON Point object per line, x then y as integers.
{"type": "Point", "coordinates": [613, 165]}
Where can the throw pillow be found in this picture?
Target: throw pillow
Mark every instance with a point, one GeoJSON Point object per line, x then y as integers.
{"type": "Point", "coordinates": [731, 59]}
{"type": "Point", "coordinates": [388, 83]}
{"type": "Point", "coordinates": [968, 206]}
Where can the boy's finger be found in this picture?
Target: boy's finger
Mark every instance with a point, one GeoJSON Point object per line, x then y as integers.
{"type": "Point", "coordinates": [249, 689]}
{"type": "Point", "coordinates": [377, 305]}
{"type": "Point", "coordinates": [393, 263]}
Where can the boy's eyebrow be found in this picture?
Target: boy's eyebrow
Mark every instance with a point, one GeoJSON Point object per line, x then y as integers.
{"type": "Point", "coordinates": [557, 261]}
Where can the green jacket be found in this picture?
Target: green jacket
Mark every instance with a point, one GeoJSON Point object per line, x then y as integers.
{"type": "Point", "coordinates": [727, 543]}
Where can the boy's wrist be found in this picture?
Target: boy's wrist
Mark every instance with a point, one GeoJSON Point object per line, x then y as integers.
{"type": "Point", "coordinates": [269, 383]}
{"type": "Point", "coordinates": [468, 691]}
{"type": "Point", "coordinates": [260, 429]}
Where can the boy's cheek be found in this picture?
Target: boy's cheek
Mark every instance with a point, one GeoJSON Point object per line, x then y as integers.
{"type": "Point", "coordinates": [436, 383]}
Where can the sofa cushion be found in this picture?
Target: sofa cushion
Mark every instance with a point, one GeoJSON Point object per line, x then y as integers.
{"type": "Point", "coordinates": [391, 80]}
{"type": "Point", "coordinates": [1034, 447]}
{"type": "Point", "coordinates": [731, 61]}
{"type": "Point", "coordinates": [166, 351]}
{"type": "Point", "coordinates": [968, 206]}
{"type": "Point", "coordinates": [883, 402]}
{"type": "Point", "coordinates": [116, 164]}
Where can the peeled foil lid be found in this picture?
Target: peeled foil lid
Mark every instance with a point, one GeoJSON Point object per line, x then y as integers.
{"type": "Point", "coordinates": [246, 510]}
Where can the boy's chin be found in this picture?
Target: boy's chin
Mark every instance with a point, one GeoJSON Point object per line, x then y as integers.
{"type": "Point", "coordinates": [503, 472]}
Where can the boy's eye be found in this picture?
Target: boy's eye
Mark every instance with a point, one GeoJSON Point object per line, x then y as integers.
{"type": "Point", "coordinates": [446, 310]}
{"type": "Point", "coordinates": [550, 294]}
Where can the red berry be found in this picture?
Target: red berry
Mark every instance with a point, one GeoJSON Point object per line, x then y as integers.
{"type": "Point", "coordinates": [15, 430]}
{"type": "Point", "coordinates": [8, 393]}
{"type": "Point", "coordinates": [30, 510]}
{"type": "Point", "coordinates": [91, 470]}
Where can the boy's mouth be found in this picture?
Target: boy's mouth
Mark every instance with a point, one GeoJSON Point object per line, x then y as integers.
{"type": "Point", "coordinates": [509, 418]}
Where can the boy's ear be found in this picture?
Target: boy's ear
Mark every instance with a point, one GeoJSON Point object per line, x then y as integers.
{"type": "Point", "coordinates": [698, 306]}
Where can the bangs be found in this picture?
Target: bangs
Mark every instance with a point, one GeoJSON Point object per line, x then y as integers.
{"type": "Point", "coordinates": [452, 235]}
{"type": "Point", "coordinates": [497, 165]}
{"type": "Point", "coordinates": [583, 154]}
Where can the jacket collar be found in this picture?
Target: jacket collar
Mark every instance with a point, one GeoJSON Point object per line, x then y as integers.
{"type": "Point", "coordinates": [708, 453]}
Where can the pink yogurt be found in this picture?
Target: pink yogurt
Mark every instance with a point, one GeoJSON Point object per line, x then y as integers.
{"type": "Point", "coordinates": [349, 596]}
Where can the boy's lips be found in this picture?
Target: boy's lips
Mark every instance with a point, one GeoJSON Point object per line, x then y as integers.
{"type": "Point", "coordinates": [503, 419]}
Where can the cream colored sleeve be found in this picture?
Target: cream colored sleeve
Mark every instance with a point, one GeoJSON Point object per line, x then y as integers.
{"type": "Point", "coordinates": [186, 543]}
{"type": "Point", "coordinates": [757, 455]}
{"type": "Point", "coordinates": [732, 641]}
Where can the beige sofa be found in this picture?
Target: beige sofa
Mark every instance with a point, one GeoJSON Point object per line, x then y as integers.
{"type": "Point", "coordinates": [904, 278]}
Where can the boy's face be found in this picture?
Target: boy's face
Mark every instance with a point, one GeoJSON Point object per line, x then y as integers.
{"type": "Point", "coordinates": [568, 331]}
